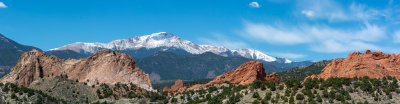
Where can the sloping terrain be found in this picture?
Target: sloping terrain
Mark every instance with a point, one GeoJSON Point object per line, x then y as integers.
{"type": "Point", "coordinates": [300, 73]}
{"type": "Point", "coordinates": [170, 66]}
{"type": "Point", "coordinates": [10, 51]}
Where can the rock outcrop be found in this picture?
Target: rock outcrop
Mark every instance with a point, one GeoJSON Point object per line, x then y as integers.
{"type": "Point", "coordinates": [244, 75]}
{"type": "Point", "coordinates": [177, 87]}
{"type": "Point", "coordinates": [103, 67]}
{"type": "Point", "coordinates": [356, 64]}
{"type": "Point", "coordinates": [272, 77]}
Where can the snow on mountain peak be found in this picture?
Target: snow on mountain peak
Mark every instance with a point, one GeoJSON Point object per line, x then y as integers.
{"type": "Point", "coordinates": [164, 39]}
{"type": "Point", "coordinates": [254, 54]}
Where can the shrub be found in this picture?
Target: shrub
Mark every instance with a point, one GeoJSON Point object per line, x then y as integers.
{"type": "Point", "coordinates": [256, 95]}
{"type": "Point", "coordinates": [174, 100]}
{"type": "Point", "coordinates": [256, 102]}
{"type": "Point", "coordinates": [268, 96]}
{"type": "Point", "coordinates": [299, 96]}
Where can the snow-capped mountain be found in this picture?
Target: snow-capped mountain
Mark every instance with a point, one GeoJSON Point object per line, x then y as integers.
{"type": "Point", "coordinates": [166, 41]}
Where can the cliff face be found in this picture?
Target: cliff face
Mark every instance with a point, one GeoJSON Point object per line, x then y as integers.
{"type": "Point", "coordinates": [103, 67]}
{"type": "Point", "coordinates": [177, 87]}
{"type": "Point", "coordinates": [244, 75]}
{"type": "Point", "coordinates": [356, 64]}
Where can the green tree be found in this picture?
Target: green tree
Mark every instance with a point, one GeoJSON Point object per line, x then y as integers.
{"type": "Point", "coordinates": [256, 102]}
{"type": "Point", "coordinates": [256, 95]}
{"type": "Point", "coordinates": [268, 96]}
{"type": "Point", "coordinates": [13, 96]}
{"type": "Point", "coordinates": [299, 96]}
{"type": "Point", "coordinates": [291, 100]}
{"type": "Point", "coordinates": [174, 100]}
{"type": "Point", "coordinates": [319, 99]}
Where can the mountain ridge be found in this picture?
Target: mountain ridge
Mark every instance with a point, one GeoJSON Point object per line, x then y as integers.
{"type": "Point", "coordinates": [164, 39]}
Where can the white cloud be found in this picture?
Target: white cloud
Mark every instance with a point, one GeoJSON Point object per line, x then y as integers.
{"type": "Point", "coordinates": [287, 55]}
{"type": "Point", "coordinates": [318, 38]}
{"type": "Point", "coordinates": [308, 13]}
{"type": "Point", "coordinates": [274, 35]}
{"type": "Point", "coordinates": [333, 11]}
{"type": "Point", "coordinates": [396, 37]}
{"type": "Point", "coordinates": [254, 5]}
{"type": "Point", "coordinates": [335, 46]}
{"type": "Point", "coordinates": [2, 5]}
{"type": "Point", "coordinates": [223, 41]}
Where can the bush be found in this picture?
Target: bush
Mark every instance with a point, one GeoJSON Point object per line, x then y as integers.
{"type": "Point", "coordinates": [256, 95]}
{"type": "Point", "coordinates": [13, 96]}
{"type": "Point", "coordinates": [268, 96]}
{"type": "Point", "coordinates": [256, 102]}
{"type": "Point", "coordinates": [299, 96]}
{"type": "Point", "coordinates": [319, 99]}
{"type": "Point", "coordinates": [291, 100]}
{"type": "Point", "coordinates": [257, 84]}
{"type": "Point", "coordinates": [174, 100]}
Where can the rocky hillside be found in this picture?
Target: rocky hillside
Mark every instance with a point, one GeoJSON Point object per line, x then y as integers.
{"type": "Point", "coordinates": [10, 51]}
{"type": "Point", "coordinates": [170, 66]}
{"type": "Point", "coordinates": [356, 64]}
{"type": "Point", "coordinates": [300, 73]}
{"type": "Point", "coordinates": [14, 94]}
{"type": "Point", "coordinates": [105, 66]}
{"type": "Point", "coordinates": [247, 73]}
{"type": "Point", "coordinates": [312, 91]}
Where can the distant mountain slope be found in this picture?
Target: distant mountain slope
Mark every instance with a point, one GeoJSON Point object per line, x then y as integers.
{"type": "Point", "coordinates": [10, 51]}
{"type": "Point", "coordinates": [170, 66]}
{"type": "Point", "coordinates": [302, 72]}
{"type": "Point", "coordinates": [164, 41]}
{"type": "Point", "coordinates": [147, 45]}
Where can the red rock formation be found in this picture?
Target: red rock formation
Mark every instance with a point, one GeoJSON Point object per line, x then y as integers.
{"type": "Point", "coordinates": [244, 75]}
{"type": "Point", "coordinates": [103, 67]}
{"type": "Point", "coordinates": [272, 77]}
{"type": "Point", "coordinates": [356, 64]}
{"type": "Point", "coordinates": [178, 85]}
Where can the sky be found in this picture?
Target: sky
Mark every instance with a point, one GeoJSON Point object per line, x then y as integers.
{"type": "Point", "coordinates": [294, 29]}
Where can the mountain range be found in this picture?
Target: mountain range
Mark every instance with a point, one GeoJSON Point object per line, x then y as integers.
{"type": "Point", "coordinates": [164, 41]}
{"type": "Point", "coordinates": [163, 55]}
{"type": "Point", "coordinates": [147, 45]}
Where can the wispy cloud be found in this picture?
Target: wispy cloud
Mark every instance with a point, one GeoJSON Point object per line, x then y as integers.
{"type": "Point", "coordinates": [396, 36]}
{"type": "Point", "coordinates": [2, 5]}
{"type": "Point", "coordinates": [254, 4]}
{"type": "Point", "coordinates": [319, 38]}
{"type": "Point", "coordinates": [223, 41]}
{"type": "Point", "coordinates": [308, 13]}
{"type": "Point", "coordinates": [274, 35]}
{"type": "Point", "coordinates": [333, 11]}
{"type": "Point", "coordinates": [287, 55]}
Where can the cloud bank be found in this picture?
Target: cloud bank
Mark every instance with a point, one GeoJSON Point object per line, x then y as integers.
{"type": "Point", "coordinates": [319, 38]}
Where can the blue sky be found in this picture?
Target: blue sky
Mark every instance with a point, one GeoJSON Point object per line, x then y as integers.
{"type": "Point", "coordinates": [295, 29]}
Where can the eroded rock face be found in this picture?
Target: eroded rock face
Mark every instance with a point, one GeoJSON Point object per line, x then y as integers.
{"type": "Point", "coordinates": [272, 77]}
{"type": "Point", "coordinates": [356, 64]}
{"type": "Point", "coordinates": [244, 75]}
{"type": "Point", "coordinates": [104, 67]}
{"type": "Point", "coordinates": [177, 87]}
